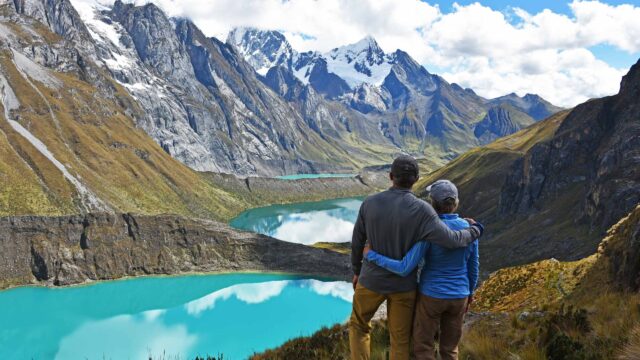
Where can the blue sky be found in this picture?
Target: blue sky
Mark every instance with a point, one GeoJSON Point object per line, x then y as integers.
{"type": "Point", "coordinates": [610, 54]}
{"type": "Point", "coordinates": [574, 51]}
{"type": "Point", "coordinates": [557, 6]}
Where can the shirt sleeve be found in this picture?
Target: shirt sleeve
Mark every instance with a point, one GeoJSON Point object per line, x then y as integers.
{"type": "Point", "coordinates": [358, 240]}
{"type": "Point", "coordinates": [402, 267]}
{"type": "Point", "coordinates": [437, 232]}
{"type": "Point", "coordinates": [473, 267]}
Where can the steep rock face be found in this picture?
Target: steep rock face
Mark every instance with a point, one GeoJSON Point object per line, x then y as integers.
{"type": "Point", "coordinates": [501, 120]}
{"type": "Point", "coordinates": [595, 148]}
{"type": "Point", "coordinates": [200, 101]}
{"type": "Point", "coordinates": [553, 189]}
{"type": "Point", "coordinates": [621, 251]}
{"type": "Point", "coordinates": [270, 50]}
{"type": "Point", "coordinates": [75, 249]}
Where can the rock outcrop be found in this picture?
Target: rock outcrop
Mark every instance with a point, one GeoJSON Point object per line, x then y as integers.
{"type": "Point", "coordinates": [553, 189]}
{"type": "Point", "coordinates": [75, 249]}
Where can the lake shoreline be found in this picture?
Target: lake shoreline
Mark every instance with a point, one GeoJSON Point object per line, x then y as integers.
{"type": "Point", "coordinates": [294, 276]}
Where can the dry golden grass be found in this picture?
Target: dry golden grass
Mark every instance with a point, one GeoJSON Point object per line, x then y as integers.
{"type": "Point", "coordinates": [342, 248]}
{"type": "Point", "coordinates": [631, 350]}
{"type": "Point", "coordinates": [483, 343]}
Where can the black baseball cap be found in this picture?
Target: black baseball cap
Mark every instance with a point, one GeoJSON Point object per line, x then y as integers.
{"type": "Point", "coordinates": [404, 165]}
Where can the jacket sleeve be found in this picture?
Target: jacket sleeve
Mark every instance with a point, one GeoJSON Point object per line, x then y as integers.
{"type": "Point", "coordinates": [473, 267]}
{"type": "Point", "coordinates": [437, 232]}
{"type": "Point", "coordinates": [358, 240]}
{"type": "Point", "coordinates": [402, 267]}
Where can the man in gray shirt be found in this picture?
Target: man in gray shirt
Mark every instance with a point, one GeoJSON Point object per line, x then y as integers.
{"type": "Point", "coordinates": [392, 222]}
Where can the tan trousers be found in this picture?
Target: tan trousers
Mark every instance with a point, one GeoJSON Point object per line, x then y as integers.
{"type": "Point", "coordinates": [400, 307]}
{"type": "Point", "coordinates": [431, 314]}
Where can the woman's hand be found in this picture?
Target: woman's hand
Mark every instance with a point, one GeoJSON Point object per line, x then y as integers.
{"type": "Point", "coordinates": [366, 249]}
{"type": "Point", "coordinates": [469, 302]}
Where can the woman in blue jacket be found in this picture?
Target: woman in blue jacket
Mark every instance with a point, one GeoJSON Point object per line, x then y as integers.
{"type": "Point", "coordinates": [447, 280]}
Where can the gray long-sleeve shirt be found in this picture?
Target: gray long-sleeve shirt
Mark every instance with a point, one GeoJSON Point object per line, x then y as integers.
{"type": "Point", "coordinates": [392, 221]}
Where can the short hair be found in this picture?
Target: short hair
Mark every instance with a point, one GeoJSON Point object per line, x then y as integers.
{"type": "Point", "coordinates": [445, 206]}
{"type": "Point", "coordinates": [405, 180]}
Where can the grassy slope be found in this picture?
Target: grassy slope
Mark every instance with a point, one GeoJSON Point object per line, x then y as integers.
{"type": "Point", "coordinates": [99, 144]}
{"type": "Point", "coordinates": [594, 316]}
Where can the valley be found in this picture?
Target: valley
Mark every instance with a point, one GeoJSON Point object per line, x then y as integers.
{"type": "Point", "coordinates": [158, 180]}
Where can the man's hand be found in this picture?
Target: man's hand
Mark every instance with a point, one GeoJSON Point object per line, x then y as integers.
{"type": "Point", "coordinates": [365, 251]}
{"type": "Point", "coordinates": [469, 302]}
{"type": "Point", "coordinates": [471, 221]}
{"type": "Point", "coordinates": [355, 281]}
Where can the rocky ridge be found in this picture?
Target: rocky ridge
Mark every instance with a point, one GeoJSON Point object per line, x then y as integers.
{"type": "Point", "coordinates": [75, 249]}
{"type": "Point", "coordinates": [553, 189]}
{"type": "Point", "coordinates": [414, 109]}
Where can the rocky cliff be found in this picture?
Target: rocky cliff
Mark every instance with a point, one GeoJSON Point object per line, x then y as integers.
{"type": "Point", "coordinates": [75, 249]}
{"type": "Point", "coordinates": [553, 189]}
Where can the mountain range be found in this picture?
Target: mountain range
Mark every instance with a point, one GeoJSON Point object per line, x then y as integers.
{"type": "Point", "coordinates": [415, 110]}
{"type": "Point", "coordinates": [254, 105]}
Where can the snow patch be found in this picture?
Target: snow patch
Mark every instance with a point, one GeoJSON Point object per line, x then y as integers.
{"type": "Point", "coordinates": [7, 97]}
{"type": "Point", "coordinates": [89, 199]}
{"type": "Point", "coordinates": [100, 31]}
{"type": "Point", "coordinates": [35, 71]}
{"type": "Point", "coordinates": [119, 62]}
{"type": "Point", "coordinates": [10, 102]}
{"type": "Point", "coordinates": [303, 74]}
{"type": "Point", "coordinates": [263, 71]}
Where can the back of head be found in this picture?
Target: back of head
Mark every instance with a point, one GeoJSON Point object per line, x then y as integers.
{"type": "Point", "coordinates": [404, 171]}
{"type": "Point", "coordinates": [444, 196]}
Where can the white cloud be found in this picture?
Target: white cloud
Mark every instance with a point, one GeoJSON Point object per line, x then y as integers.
{"type": "Point", "coordinates": [253, 293]}
{"type": "Point", "coordinates": [313, 227]}
{"type": "Point", "coordinates": [490, 51]}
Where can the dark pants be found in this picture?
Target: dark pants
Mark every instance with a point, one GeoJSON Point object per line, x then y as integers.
{"type": "Point", "coordinates": [431, 314]}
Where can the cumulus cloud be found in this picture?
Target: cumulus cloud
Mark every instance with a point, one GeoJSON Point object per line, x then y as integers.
{"type": "Point", "coordinates": [493, 52]}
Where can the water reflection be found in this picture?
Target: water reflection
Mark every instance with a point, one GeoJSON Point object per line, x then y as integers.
{"type": "Point", "coordinates": [305, 223]}
{"type": "Point", "coordinates": [181, 318]}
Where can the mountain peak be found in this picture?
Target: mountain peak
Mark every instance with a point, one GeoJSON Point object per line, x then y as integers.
{"type": "Point", "coordinates": [368, 42]}
{"type": "Point", "coordinates": [367, 46]}
{"type": "Point", "coordinates": [263, 49]}
{"type": "Point", "coordinates": [631, 80]}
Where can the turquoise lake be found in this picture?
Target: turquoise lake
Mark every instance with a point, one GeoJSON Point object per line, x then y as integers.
{"type": "Point", "coordinates": [304, 223]}
{"type": "Point", "coordinates": [314, 176]}
{"type": "Point", "coordinates": [167, 317]}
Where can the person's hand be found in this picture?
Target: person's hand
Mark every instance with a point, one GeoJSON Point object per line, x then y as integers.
{"type": "Point", "coordinates": [469, 302]}
{"type": "Point", "coordinates": [471, 221]}
{"type": "Point", "coordinates": [355, 281]}
{"type": "Point", "coordinates": [365, 251]}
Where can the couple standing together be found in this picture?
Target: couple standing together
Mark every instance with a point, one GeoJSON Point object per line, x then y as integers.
{"type": "Point", "coordinates": [394, 232]}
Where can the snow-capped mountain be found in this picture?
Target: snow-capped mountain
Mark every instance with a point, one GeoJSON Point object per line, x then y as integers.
{"type": "Point", "coordinates": [202, 102]}
{"type": "Point", "coordinates": [262, 49]}
{"type": "Point", "coordinates": [409, 104]}
{"type": "Point", "coordinates": [254, 105]}
{"type": "Point", "coordinates": [363, 62]}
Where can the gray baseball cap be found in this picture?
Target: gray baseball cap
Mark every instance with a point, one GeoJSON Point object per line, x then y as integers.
{"type": "Point", "coordinates": [442, 189]}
